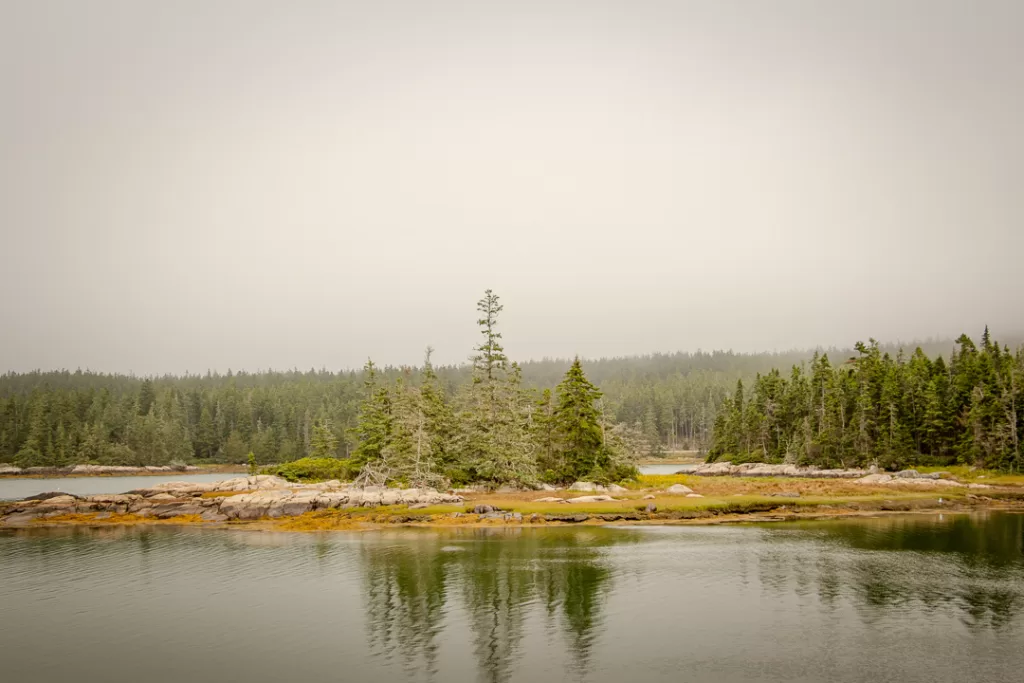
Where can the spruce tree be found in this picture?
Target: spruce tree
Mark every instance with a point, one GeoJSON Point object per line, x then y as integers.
{"type": "Point", "coordinates": [577, 426]}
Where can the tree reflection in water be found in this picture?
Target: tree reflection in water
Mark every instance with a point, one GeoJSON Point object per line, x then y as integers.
{"type": "Point", "coordinates": [499, 577]}
{"type": "Point", "coordinates": [952, 562]}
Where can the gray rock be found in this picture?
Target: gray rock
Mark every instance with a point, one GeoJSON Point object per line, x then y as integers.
{"type": "Point", "coordinates": [678, 489]}
{"type": "Point", "coordinates": [615, 488]}
{"type": "Point", "coordinates": [483, 509]}
{"type": "Point", "coordinates": [786, 494]}
{"type": "Point", "coordinates": [694, 495]}
{"type": "Point", "coordinates": [418, 506]}
{"type": "Point", "coordinates": [549, 499]}
{"type": "Point", "coordinates": [907, 474]}
{"type": "Point", "coordinates": [649, 496]}
{"type": "Point", "coordinates": [589, 499]}
{"type": "Point", "coordinates": [651, 507]}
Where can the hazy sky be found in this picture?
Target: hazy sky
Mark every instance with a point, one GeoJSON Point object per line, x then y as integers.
{"type": "Point", "coordinates": [213, 184]}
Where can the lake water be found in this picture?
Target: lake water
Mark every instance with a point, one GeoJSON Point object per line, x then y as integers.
{"type": "Point", "coordinates": [903, 599]}
{"type": "Point", "coordinates": [16, 489]}
{"type": "Point", "coordinates": [661, 468]}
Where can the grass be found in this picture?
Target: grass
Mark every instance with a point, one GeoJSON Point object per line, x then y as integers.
{"type": "Point", "coordinates": [975, 476]}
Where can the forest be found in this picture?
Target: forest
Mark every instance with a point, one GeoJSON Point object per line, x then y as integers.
{"type": "Point", "coordinates": [496, 420]}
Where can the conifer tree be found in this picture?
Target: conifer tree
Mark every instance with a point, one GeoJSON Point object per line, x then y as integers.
{"type": "Point", "coordinates": [577, 425]}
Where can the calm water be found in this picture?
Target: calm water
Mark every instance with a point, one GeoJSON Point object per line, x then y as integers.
{"type": "Point", "coordinates": [662, 468]}
{"type": "Point", "coordinates": [898, 599]}
{"type": "Point", "coordinates": [15, 489]}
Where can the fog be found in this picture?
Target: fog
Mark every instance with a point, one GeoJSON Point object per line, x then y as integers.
{"type": "Point", "coordinates": [254, 184]}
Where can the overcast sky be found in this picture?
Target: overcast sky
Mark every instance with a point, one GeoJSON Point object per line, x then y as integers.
{"type": "Point", "coordinates": [253, 184]}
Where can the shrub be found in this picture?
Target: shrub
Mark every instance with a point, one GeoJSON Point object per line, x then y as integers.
{"type": "Point", "coordinates": [314, 469]}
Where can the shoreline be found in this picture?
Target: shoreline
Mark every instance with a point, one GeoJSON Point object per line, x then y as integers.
{"type": "Point", "coordinates": [274, 503]}
{"type": "Point", "coordinates": [69, 473]}
{"type": "Point", "coordinates": [90, 521]}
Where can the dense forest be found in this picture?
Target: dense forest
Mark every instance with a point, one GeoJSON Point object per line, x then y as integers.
{"type": "Point", "coordinates": [944, 403]}
{"type": "Point", "coordinates": [877, 408]}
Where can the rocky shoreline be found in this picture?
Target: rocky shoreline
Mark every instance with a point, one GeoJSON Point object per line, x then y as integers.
{"type": "Point", "coordinates": [94, 470]}
{"type": "Point", "coordinates": [333, 504]}
{"type": "Point", "coordinates": [242, 498]}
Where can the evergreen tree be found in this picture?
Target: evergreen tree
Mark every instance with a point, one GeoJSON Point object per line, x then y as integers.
{"type": "Point", "coordinates": [577, 426]}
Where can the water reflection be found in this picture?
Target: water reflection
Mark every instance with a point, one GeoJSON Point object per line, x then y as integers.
{"type": "Point", "coordinates": [929, 598]}
{"type": "Point", "coordinates": [495, 578]}
{"type": "Point", "coordinates": [973, 564]}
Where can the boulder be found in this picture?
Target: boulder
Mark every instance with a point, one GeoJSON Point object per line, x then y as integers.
{"type": "Point", "coordinates": [694, 495]}
{"type": "Point", "coordinates": [678, 489]}
{"type": "Point", "coordinates": [651, 507]}
{"type": "Point", "coordinates": [615, 488]}
{"type": "Point", "coordinates": [589, 499]}
{"type": "Point", "coordinates": [649, 496]}
{"type": "Point", "coordinates": [907, 474]}
{"type": "Point", "coordinates": [587, 486]}
{"type": "Point", "coordinates": [549, 499]}
{"type": "Point", "coordinates": [483, 509]}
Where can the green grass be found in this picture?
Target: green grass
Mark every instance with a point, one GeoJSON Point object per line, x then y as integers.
{"type": "Point", "coordinates": [977, 476]}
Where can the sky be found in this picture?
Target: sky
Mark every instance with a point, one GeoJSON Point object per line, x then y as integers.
{"type": "Point", "coordinates": [215, 184]}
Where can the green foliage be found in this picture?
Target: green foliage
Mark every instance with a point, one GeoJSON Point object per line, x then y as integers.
{"type": "Point", "coordinates": [881, 409]}
{"type": "Point", "coordinates": [253, 467]}
{"type": "Point", "coordinates": [490, 420]}
{"type": "Point", "coordinates": [313, 469]}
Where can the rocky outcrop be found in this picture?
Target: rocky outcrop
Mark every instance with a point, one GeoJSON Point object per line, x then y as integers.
{"type": "Point", "coordinates": [247, 498]}
{"type": "Point", "coordinates": [754, 469]}
{"type": "Point", "coordinates": [914, 478]}
{"type": "Point", "coordinates": [590, 499]}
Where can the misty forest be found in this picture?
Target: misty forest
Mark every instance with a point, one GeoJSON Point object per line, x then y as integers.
{"type": "Point", "coordinates": [494, 420]}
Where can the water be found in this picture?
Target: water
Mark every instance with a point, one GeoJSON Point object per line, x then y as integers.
{"type": "Point", "coordinates": [16, 489]}
{"type": "Point", "coordinates": [903, 599]}
{"type": "Point", "coordinates": [662, 468]}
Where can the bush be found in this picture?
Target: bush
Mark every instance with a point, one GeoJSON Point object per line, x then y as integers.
{"type": "Point", "coordinates": [314, 469]}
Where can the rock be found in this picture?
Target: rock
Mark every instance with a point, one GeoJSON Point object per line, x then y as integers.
{"type": "Point", "coordinates": [418, 506]}
{"type": "Point", "coordinates": [549, 499]}
{"type": "Point", "coordinates": [907, 474]}
{"type": "Point", "coordinates": [6, 468]}
{"type": "Point", "coordinates": [874, 479]}
{"type": "Point", "coordinates": [49, 495]}
{"type": "Point", "coordinates": [567, 518]}
{"type": "Point", "coordinates": [649, 496]}
{"type": "Point", "coordinates": [651, 507]}
{"type": "Point", "coordinates": [589, 499]}
{"type": "Point", "coordinates": [615, 488]}
{"type": "Point", "coordinates": [678, 489]}
{"type": "Point", "coordinates": [213, 516]}
{"type": "Point", "coordinates": [786, 494]}
{"type": "Point", "coordinates": [781, 470]}
{"type": "Point", "coordinates": [694, 495]}
{"type": "Point", "coordinates": [546, 487]}
{"type": "Point", "coordinates": [483, 509]}
{"type": "Point", "coordinates": [586, 486]}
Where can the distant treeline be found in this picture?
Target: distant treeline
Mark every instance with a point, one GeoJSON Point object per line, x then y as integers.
{"type": "Point", "coordinates": [891, 410]}
{"type": "Point", "coordinates": [664, 401]}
